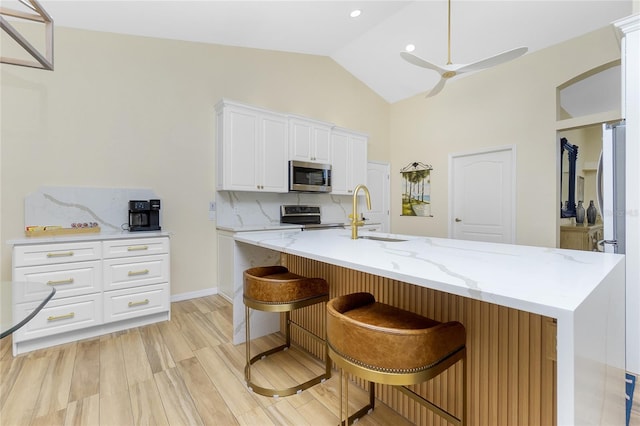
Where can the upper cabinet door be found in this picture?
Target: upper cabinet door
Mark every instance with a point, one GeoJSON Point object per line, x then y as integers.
{"type": "Point", "coordinates": [275, 177]}
{"type": "Point", "coordinates": [252, 148]}
{"type": "Point", "coordinates": [237, 162]}
{"type": "Point", "coordinates": [348, 161]}
{"type": "Point", "coordinates": [309, 140]}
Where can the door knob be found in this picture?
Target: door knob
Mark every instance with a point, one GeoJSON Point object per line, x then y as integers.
{"type": "Point", "coordinates": [458, 220]}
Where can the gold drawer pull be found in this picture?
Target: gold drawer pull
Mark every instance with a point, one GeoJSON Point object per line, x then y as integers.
{"type": "Point", "coordinates": [137, 248]}
{"type": "Point", "coordinates": [61, 317]}
{"type": "Point", "coordinates": [142, 302]}
{"type": "Point", "coordinates": [63, 254]}
{"type": "Point", "coordinates": [59, 282]}
{"type": "Point", "coordinates": [143, 272]}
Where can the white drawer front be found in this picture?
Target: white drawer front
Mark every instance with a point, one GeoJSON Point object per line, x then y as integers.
{"type": "Point", "coordinates": [134, 272]}
{"type": "Point", "coordinates": [135, 247]}
{"type": "Point", "coordinates": [50, 254]}
{"type": "Point", "coordinates": [59, 316]}
{"type": "Point", "coordinates": [135, 302]}
{"type": "Point", "coordinates": [69, 279]}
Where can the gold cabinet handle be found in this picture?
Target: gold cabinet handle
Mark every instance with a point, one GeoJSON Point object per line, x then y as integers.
{"type": "Point", "coordinates": [142, 272]}
{"type": "Point", "coordinates": [63, 254]}
{"type": "Point", "coordinates": [59, 282]}
{"type": "Point", "coordinates": [137, 248]}
{"type": "Point", "coordinates": [61, 317]}
{"type": "Point", "coordinates": [142, 302]}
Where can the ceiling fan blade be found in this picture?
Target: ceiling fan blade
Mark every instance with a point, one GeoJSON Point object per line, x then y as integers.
{"type": "Point", "coordinates": [416, 60]}
{"type": "Point", "coordinates": [437, 88]}
{"type": "Point", "coordinates": [494, 60]}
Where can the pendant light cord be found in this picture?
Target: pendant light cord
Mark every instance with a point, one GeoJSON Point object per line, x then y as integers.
{"type": "Point", "coordinates": [449, 35]}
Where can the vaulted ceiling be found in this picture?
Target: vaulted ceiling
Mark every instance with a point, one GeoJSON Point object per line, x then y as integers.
{"type": "Point", "coordinates": [367, 46]}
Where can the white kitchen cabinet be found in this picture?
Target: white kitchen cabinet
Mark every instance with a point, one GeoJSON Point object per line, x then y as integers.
{"type": "Point", "coordinates": [252, 148]}
{"type": "Point", "coordinates": [135, 302]}
{"type": "Point", "coordinates": [58, 317]}
{"type": "Point", "coordinates": [348, 160]}
{"type": "Point", "coordinates": [309, 140]}
{"type": "Point", "coordinates": [69, 279]}
{"type": "Point", "coordinates": [102, 286]}
{"type": "Point", "coordinates": [137, 282]}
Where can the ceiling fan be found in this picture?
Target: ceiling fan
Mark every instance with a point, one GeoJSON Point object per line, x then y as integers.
{"type": "Point", "coordinates": [451, 70]}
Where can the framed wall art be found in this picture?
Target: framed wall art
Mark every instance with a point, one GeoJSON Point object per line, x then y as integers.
{"type": "Point", "coordinates": [416, 189]}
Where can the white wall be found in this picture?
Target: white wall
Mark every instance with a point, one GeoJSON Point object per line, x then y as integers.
{"type": "Point", "coordinates": [125, 111]}
{"type": "Point", "coordinates": [514, 103]}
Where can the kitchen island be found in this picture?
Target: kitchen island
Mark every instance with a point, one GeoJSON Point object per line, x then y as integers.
{"type": "Point", "coordinates": [510, 298]}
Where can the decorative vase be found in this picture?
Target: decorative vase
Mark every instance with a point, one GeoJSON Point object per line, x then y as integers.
{"type": "Point", "coordinates": [580, 213]}
{"type": "Point", "coordinates": [591, 213]}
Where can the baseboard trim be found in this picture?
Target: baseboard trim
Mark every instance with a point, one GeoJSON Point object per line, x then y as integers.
{"type": "Point", "coordinates": [194, 294]}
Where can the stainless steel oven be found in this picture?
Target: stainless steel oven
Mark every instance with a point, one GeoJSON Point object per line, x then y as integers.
{"type": "Point", "coordinates": [309, 177]}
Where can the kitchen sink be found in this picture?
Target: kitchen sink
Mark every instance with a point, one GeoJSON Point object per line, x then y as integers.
{"type": "Point", "coordinates": [385, 239]}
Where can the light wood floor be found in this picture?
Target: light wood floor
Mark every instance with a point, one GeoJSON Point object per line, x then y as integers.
{"type": "Point", "coordinates": [182, 372]}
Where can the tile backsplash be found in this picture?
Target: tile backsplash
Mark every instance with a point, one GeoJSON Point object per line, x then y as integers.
{"type": "Point", "coordinates": [63, 205]}
{"type": "Point", "coordinates": [237, 209]}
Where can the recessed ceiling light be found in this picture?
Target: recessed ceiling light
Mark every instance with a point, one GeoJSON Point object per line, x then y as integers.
{"type": "Point", "coordinates": [355, 13]}
{"type": "Point", "coordinates": [410, 47]}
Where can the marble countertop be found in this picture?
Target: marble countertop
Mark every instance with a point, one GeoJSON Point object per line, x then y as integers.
{"type": "Point", "coordinates": [88, 237]}
{"type": "Point", "coordinates": [546, 281]}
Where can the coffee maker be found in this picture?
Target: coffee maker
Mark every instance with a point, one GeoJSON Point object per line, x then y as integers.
{"type": "Point", "coordinates": [144, 215]}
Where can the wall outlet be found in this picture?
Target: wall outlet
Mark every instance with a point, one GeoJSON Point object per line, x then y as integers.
{"type": "Point", "coordinates": [212, 211]}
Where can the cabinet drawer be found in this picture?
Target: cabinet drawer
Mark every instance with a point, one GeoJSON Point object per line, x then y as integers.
{"type": "Point", "coordinates": [134, 272]}
{"type": "Point", "coordinates": [135, 302]}
{"type": "Point", "coordinates": [69, 279]}
{"type": "Point", "coordinates": [59, 316]}
{"type": "Point", "coordinates": [50, 254]}
{"type": "Point", "coordinates": [135, 247]}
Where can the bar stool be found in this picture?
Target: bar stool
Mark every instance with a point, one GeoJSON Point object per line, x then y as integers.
{"type": "Point", "coordinates": [275, 289]}
{"type": "Point", "coordinates": [384, 344]}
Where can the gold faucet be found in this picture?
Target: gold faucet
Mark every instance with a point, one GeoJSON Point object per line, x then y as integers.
{"type": "Point", "coordinates": [354, 214]}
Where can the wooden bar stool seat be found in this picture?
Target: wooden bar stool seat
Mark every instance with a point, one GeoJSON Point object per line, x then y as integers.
{"type": "Point", "coordinates": [275, 289]}
{"type": "Point", "coordinates": [384, 344]}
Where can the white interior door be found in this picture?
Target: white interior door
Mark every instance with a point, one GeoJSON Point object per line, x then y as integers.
{"type": "Point", "coordinates": [378, 184]}
{"type": "Point", "coordinates": [482, 195]}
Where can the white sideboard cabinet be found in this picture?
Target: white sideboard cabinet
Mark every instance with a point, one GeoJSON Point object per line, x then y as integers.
{"type": "Point", "coordinates": [102, 286]}
{"type": "Point", "coordinates": [252, 148]}
{"type": "Point", "coordinates": [348, 160]}
{"type": "Point", "coordinates": [309, 140]}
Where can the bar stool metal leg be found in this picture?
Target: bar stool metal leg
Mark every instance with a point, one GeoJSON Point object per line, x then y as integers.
{"type": "Point", "coordinates": [252, 360]}
{"type": "Point", "coordinates": [247, 344]}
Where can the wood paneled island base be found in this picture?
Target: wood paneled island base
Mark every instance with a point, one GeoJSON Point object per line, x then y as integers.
{"type": "Point", "coordinates": [511, 353]}
{"type": "Point", "coordinates": [507, 296]}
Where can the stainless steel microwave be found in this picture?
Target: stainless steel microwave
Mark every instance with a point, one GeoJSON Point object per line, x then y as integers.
{"type": "Point", "coordinates": [309, 177]}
